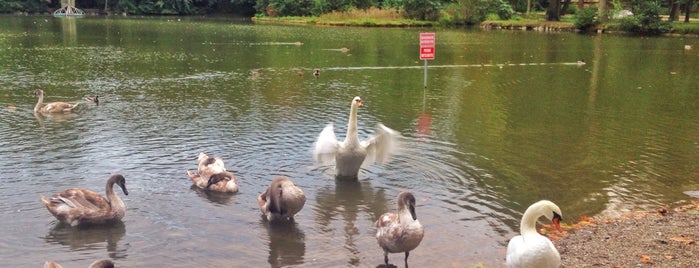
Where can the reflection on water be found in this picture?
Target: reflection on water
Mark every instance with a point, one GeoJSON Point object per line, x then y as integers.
{"type": "Point", "coordinates": [85, 238]}
{"type": "Point", "coordinates": [346, 202]}
{"type": "Point", "coordinates": [286, 243]}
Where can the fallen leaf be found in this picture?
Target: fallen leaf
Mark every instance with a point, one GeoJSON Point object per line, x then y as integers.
{"type": "Point", "coordinates": [683, 239]}
{"type": "Point", "coordinates": [645, 259]}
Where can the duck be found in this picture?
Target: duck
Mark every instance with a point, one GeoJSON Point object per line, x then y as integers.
{"type": "Point", "coordinates": [316, 73]}
{"type": "Point", "coordinates": [580, 62]}
{"type": "Point", "coordinates": [281, 201]}
{"type": "Point", "coordinates": [212, 175]}
{"type": "Point", "coordinates": [350, 154]}
{"type": "Point", "coordinates": [400, 231]}
{"type": "Point", "coordinates": [78, 206]}
{"type": "Point", "coordinates": [104, 263]}
{"type": "Point", "coordinates": [531, 249]}
{"type": "Point", "coordinates": [52, 107]}
{"type": "Point", "coordinates": [95, 99]}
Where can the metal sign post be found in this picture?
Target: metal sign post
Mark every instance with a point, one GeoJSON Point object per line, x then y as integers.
{"type": "Point", "coordinates": [427, 42]}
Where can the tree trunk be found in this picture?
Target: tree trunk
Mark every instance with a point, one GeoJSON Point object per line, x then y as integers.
{"type": "Point", "coordinates": [566, 3]}
{"type": "Point", "coordinates": [553, 13]}
{"type": "Point", "coordinates": [602, 11]}
{"type": "Point", "coordinates": [688, 10]}
{"type": "Point", "coordinates": [581, 4]}
{"type": "Point", "coordinates": [674, 11]}
{"type": "Point", "coordinates": [106, 8]}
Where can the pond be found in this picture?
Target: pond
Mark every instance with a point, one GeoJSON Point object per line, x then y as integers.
{"type": "Point", "coordinates": [507, 118]}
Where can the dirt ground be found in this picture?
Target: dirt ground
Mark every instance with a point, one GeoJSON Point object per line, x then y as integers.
{"type": "Point", "coordinates": [664, 238]}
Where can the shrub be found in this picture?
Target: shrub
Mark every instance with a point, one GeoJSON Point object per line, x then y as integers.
{"type": "Point", "coordinates": [586, 19]}
{"type": "Point", "coordinates": [503, 9]}
{"type": "Point", "coordinates": [421, 9]}
{"type": "Point", "coordinates": [647, 21]}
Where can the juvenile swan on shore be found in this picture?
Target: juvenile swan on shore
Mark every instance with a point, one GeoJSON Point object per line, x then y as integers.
{"type": "Point", "coordinates": [530, 249]}
{"type": "Point", "coordinates": [282, 200]}
{"type": "Point", "coordinates": [400, 231]}
{"type": "Point", "coordinates": [350, 154]}
{"type": "Point", "coordinates": [78, 206]}
{"type": "Point", "coordinates": [212, 175]}
{"type": "Point", "coordinates": [52, 107]}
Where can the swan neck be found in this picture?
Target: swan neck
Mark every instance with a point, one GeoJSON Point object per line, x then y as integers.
{"type": "Point", "coordinates": [115, 201]}
{"type": "Point", "coordinates": [528, 224]}
{"type": "Point", "coordinates": [352, 125]}
{"type": "Point", "coordinates": [37, 107]}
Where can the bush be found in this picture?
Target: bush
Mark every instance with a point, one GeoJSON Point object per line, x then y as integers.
{"type": "Point", "coordinates": [503, 9]}
{"type": "Point", "coordinates": [586, 19]}
{"type": "Point", "coordinates": [647, 21]}
{"type": "Point", "coordinates": [421, 9]}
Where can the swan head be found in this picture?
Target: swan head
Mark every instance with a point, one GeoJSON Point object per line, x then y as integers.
{"type": "Point", "coordinates": [214, 179]}
{"type": "Point", "coordinates": [38, 92]}
{"type": "Point", "coordinates": [121, 181]}
{"type": "Point", "coordinates": [406, 200]}
{"type": "Point", "coordinates": [551, 211]}
{"type": "Point", "coordinates": [357, 101]}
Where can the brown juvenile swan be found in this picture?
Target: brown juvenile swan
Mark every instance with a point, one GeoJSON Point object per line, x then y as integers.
{"type": "Point", "coordinates": [282, 200]}
{"type": "Point", "coordinates": [400, 232]}
{"type": "Point", "coordinates": [350, 154]}
{"type": "Point", "coordinates": [78, 206]}
{"type": "Point", "coordinates": [212, 175]}
{"type": "Point", "coordinates": [52, 107]}
{"type": "Point", "coordinates": [104, 263]}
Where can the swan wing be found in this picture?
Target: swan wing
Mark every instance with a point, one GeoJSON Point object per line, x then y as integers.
{"type": "Point", "coordinates": [326, 146]}
{"type": "Point", "coordinates": [381, 145]}
{"type": "Point", "coordinates": [82, 199]}
{"type": "Point", "coordinates": [58, 107]}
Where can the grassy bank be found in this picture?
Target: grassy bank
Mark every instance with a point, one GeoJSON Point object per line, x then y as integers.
{"type": "Point", "coordinates": [372, 17]}
{"type": "Point", "coordinates": [392, 18]}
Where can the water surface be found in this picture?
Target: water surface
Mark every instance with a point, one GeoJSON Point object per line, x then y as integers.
{"type": "Point", "coordinates": [508, 118]}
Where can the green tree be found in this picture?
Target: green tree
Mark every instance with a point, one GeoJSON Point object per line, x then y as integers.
{"type": "Point", "coordinates": [421, 9]}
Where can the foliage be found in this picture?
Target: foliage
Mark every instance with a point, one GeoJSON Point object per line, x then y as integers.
{"type": "Point", "coordinates": [503, 9]}
{"type": "Point", "coordinates": [647, 20]}
{"type": "Point", "coordinates": [467, 12]}
{"type": "Point", "coordinates": [31, 6]}
{"type": "Point", "coordinates": [421, 9]}
{"type": "Point", "coordinates": [586, 19]}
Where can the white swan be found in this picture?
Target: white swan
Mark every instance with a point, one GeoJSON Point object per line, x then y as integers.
{"type": "Point", "coordinates": [78, 206]}
{"type": "Point", "coordinates": [282, 200]}
{"type": "Point", "coordinates": [400, 232]}
{"type": "Point", "coordinates": [530, 249]}
{"type": "Point", "coordinates": [52, 107]}
{"type": "Point", "coordinates": [350, 154]}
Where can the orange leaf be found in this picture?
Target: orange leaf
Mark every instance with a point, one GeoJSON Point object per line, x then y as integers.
{"type": "Point", "coordinates": [645, 259]}
{"type": "Point", "coordinates": [682, 239]}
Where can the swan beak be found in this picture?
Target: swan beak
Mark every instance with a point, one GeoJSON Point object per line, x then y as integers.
{"type": "Point", "coordinates": [557, 221]}
{"type": "Point", "coordinates": [359, 102]}
{"type": "Point", "coordinates": [411, 208]}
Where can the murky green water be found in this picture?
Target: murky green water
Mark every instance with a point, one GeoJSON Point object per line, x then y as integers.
{"type": "Point", "coordinates": [508, 118]}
